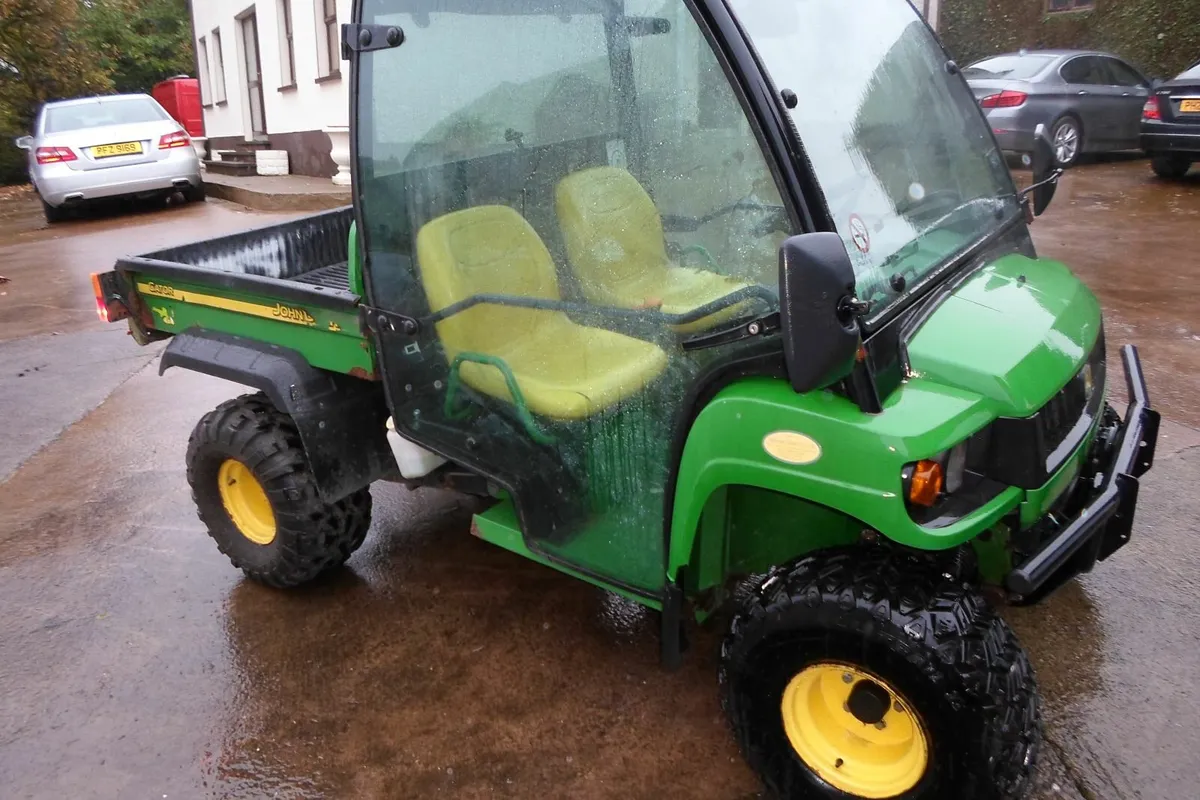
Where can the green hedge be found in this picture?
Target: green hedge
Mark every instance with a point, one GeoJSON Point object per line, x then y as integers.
{"type": "Point", "coordinates": [12, 161]}
{"type": "Point", "coordinates": [1161, 37]}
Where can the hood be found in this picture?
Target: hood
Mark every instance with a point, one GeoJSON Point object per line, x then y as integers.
{"type": "Point", "coordinates": [1015, 332]}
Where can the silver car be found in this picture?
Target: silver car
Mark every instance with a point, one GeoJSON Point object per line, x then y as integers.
{"type": "Point", "coordinates": [1090, 102]}
{"type": "Point", "coordinates": [98, 147]}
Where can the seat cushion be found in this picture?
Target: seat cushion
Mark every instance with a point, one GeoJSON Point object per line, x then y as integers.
{"type": "Point", "coordinates": [617, 249]}
{"type": "Point", "coordinates": [569, 371]}
{"type": "Point", "coordinates": [564, 370]}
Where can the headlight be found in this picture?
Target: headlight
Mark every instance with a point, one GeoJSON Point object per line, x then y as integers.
{"type": "Point", "coordinates": [926, 480]}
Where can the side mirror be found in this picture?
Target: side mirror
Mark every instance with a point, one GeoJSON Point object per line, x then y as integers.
{"type": "Point", "coordinates": [24, 142]}
{"type": "Point", "coordinates": [818, 310]}
{"type": "Point", "coordinates": [1046, 171]}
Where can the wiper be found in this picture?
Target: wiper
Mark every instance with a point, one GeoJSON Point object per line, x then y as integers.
{"type": "Point", "coordinates": [910, 248]}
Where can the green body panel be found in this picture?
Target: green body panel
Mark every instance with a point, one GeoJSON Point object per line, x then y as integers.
{"type": "Point", "coordinates": [740, 532]}
{"type": "Point", "coordinates": [1013, 333]}
{"type": "Point", "coordinates": [327, 339]}
{"type": "Point", "coordinates": [1009, 338]}
{"type": "Point", "coordinates": [499, 526]}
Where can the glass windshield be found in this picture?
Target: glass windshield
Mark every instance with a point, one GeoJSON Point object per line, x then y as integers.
{"type": "Point", "coordinates": [1015, 68]}
{"type": "Point", "coordinates": [911, 174]}
{"type": "Point", "coordinates": [1191, 73]}
{"type": "Point", "coordinates": [102, 112]}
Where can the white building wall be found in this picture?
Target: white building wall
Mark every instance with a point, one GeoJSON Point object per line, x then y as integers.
{"type": "Point", "coordinates": [310, 106]}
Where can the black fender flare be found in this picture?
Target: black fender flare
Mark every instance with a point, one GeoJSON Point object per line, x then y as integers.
{"type": "Point", "coordinates": [341, 419]}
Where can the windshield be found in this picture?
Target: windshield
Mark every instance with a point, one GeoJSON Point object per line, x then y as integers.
{"type": "Point", "coordinates": [911, 174]}
{"type": "Point", "coordinates": [1191, 73]}
{"type": "Point", "coordinates": [102, 112]}
{"type": "Point", "coordinates": [1017, 68]}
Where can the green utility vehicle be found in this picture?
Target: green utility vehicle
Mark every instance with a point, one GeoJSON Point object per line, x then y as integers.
{"type": "Point", "coordinates": [725, 305]}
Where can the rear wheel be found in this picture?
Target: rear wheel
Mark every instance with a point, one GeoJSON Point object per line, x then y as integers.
{"type": "Point", "coordinates": [53, 214]}
{"type": "Point", "coordinates": [256, 494]}
{"type": "Point", "coordinates": [195, 194]}
{"type": "Point", "coordinates": [1067, 138]}
{"type": "Point", "coordinates": [866, 673]}
{"type": "Point", "coordinates": [1172, 167]}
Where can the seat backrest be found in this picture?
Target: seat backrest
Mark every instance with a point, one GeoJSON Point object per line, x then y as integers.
{"type": "Point", "coordinates": [485, 250]}
{"type": "Point", "coordinates": [612, 231]}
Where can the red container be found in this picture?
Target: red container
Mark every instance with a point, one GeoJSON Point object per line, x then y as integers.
{"type": "Point", "coordinates": [180, 96]}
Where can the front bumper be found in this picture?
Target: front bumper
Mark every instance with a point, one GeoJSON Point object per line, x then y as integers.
{"type": "Point", "coordinates": [1106, 520]}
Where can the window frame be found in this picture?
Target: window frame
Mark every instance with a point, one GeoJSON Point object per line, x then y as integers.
{"type": "Point", "coordinates": [287, 46]}
{"type": "Point", "coordinates": [220, 94]}
{"type": "Point", "coordinates": [1112, 62]}
{"type": "Point", "coordinates": [328, 49]}
{"type": "Point", "coordinates": [205, 72]}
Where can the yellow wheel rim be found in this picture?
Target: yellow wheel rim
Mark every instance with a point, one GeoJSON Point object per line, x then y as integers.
{"type": "Point", "coordinates": [246, 502]}
{"type": "Point", "coordinates": [854, 730]}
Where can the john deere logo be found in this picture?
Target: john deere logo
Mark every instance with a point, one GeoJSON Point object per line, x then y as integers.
{"type": "Point", "coordinates": [293, 314]}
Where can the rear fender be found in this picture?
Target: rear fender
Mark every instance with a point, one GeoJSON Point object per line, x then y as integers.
{"type": "Point", "coordinates": [341, 419]}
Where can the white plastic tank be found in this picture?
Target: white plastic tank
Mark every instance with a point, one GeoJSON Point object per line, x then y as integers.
{"type": "Point", "coordinates": [413, 460]}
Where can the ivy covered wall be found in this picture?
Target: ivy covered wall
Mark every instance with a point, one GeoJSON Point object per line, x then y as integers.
{"type": "Point", "coordinates": [1161, 37]}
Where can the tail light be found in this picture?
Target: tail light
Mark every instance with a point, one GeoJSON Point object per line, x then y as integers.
{"type": "Point", "coordinates": [1151, 109]}
{"type": "Point", "coordinates": [104, 287]}
{"type": "Point", "coordinates": [1006, 99]}
{"type": "Point", "coordinates": [176, 139]}
{"type": "Point", "coordinates": [54, 155]}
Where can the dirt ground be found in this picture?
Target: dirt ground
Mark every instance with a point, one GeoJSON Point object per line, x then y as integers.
{"type": "Point", "coordinates": [135, 662]}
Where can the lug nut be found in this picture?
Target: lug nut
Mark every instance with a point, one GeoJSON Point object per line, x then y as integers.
{"type": "Point", "coordinates": [880, 725]}
{"type": "Point", "coordinates": [847, 677]}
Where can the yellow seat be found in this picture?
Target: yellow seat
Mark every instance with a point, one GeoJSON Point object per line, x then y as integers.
{"type": "Point", "coordinates": [564, 370]}
{"type": "Point", "coordinates": [614, 238]}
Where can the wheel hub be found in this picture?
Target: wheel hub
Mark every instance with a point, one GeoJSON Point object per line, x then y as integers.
{"type": "Point", "coordinates": [854, 730]}
{"type": "Point", "coordinates": [246, 502]}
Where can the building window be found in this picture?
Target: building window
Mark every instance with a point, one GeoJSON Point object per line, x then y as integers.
{"type": "Point", "coordinates": [202, 54]}
{"type": "Point", "coordinates": [287, 47]}
{"type": "Point", "coordinates": [328, 40]}
{"type": "Point", "coordinates": [1068, 5]}
{"type": "Point", "coordinates": [218, 69]}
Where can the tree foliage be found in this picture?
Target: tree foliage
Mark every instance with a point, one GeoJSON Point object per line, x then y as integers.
{"type": "Point", "coordinates": [54, 49]}
{"type": "Point", "coordinates": [139, 42]}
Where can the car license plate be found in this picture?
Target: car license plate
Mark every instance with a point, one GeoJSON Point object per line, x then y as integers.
{"type": "Point", "coordinates": [122, 149]}
{"type": "Point", "coordinates": [1190, 107]}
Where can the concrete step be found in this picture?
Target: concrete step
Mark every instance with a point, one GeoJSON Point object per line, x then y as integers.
{"type": "Point", "coordinates": [236, 156]}
{"type": "Point", "coordinates": [224, 167]}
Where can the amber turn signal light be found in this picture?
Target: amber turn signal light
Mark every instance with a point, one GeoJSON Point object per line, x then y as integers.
{"type": "Point", "coordinates": [926, 483]}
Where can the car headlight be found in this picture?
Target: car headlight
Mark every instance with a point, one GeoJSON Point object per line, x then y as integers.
{"type": "Point", "coordinates": [928, 479]}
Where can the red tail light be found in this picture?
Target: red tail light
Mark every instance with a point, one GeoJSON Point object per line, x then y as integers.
{"type": "Point", "coordinates": [54, 155]}
{"type": "Point", "coordinates": [1151, 109]}
{"type": "Point", "coordinates": [1006, 99]}
{"type": "Point", "coordinates": [176, 139]}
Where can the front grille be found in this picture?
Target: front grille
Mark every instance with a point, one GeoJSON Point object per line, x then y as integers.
{"type": "Point", "coordinates": [1025, 452]}
{"type": "Point", "coordinates": [1056, 419]}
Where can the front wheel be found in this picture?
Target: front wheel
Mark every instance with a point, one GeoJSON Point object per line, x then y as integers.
{"type": "Point", "coordinates": [1171, 167]}
{"type": "Point", "coordinates": [866, 673]}
{"type": "Point", "coordinates": [255, 492]}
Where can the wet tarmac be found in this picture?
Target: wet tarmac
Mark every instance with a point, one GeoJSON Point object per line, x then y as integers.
{"type": "Point", "coordinates": [134, 662]}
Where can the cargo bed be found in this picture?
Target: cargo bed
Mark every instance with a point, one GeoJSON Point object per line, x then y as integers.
{"type": "Point", "coordinates": [290, 285]}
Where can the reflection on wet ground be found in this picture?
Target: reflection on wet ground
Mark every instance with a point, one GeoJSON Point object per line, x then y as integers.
{"type": "Point", "coordinates": [139, 664]}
